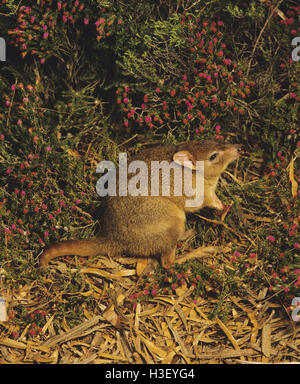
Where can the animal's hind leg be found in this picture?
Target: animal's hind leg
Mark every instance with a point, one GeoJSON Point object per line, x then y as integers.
{"type": "Point", "coordinates": [166, 259]}
{"type": "Point", "coordinates": [143, 263]}
{"type": "Point", "coordinates": [198, 253]}
{"type": "Point", "coordinates": [169, 258]}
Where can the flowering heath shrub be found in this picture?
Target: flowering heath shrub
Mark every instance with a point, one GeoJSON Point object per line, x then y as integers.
{"type": "Point", "coordinates": [37, 199]}
{"type": "Point", "coordinates": [54, 28]}
{"type": "Point", "coordinates": [197, 101]}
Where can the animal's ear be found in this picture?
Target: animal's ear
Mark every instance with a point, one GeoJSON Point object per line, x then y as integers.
{"type": "Point", "coordinates": [185, 158]}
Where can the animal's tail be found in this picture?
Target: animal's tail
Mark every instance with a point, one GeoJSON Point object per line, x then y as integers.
{"type": "Point", "coordinates": [91, 247]}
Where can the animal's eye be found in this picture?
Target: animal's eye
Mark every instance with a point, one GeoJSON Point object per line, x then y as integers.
{"type": "Point", "coordinates": [213, 157]}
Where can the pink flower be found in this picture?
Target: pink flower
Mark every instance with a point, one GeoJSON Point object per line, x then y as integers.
{"type": "Point", "coordinates": [227, 61]}
{"type": "Point", "coordinates": [297, 245]}
{"type": "Point", "coordinates": [86, 21]}
{"type": "Point", "coordinates": [271, 238]}
{"type": "Point", "coordinates": [45, 35]}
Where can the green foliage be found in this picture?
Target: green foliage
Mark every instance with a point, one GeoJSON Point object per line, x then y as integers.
{"type": "Point", "coordinates": [12, 6]}
{"type": "Point", "coordinates": [208, 82]}
{"type": "Point", "coordinates": [253, 10]}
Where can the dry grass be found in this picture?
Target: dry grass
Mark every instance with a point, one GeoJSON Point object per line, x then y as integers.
{"type": "Point", "coordinates": [164, 329]}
